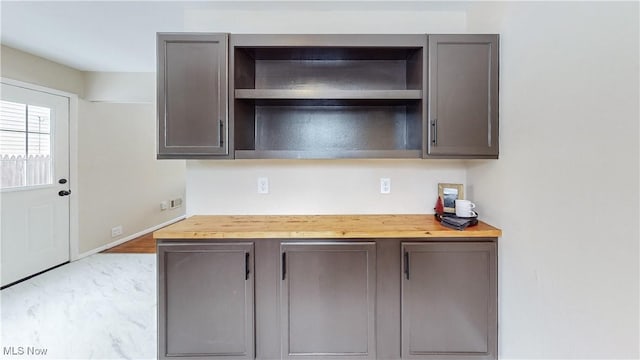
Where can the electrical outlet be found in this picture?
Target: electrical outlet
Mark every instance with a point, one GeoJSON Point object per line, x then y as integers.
{"type": "Point", "coordinates": [263, 185]}
{"type": "Point", "coordinates": [164, 205]}
{"type": "Point", "coordinates": [116, 231]}
{"type": "Point", "coordinates": [175, 203]}
{"type": "Point", "coordinates": [385, 186]}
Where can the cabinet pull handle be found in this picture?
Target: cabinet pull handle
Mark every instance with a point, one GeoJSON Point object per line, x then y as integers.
{"type": "Point", "coordinates": [246, 266]}
{"type": "Point", "coordinates": [221, 132]}
{"type": "Point", "coordinates": [434, 131]}
{"type": "Point", "coordinates": [406, 264]}
{"type": "Point", "coordinates": [284, 265]}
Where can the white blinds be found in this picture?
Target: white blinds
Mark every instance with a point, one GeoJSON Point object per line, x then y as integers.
{"type": "Point", "coordinates": [24, 129]}
{"type": "Point", "coordinates": [25, 144]}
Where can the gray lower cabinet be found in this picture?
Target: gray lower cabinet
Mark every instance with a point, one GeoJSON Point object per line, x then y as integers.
{"type": "Point", "coordinates": [192, 96]}
{"type": "Point", "coordinates": [206, 301]}
{"type": "Point", "coordinates": [462, 96]}
{"type": "Point", "coordinates": [449, 300]}
{"type": "Point", "coordinates": [319, 299]}
{"type": "Point", "coordinates": [327, 300]}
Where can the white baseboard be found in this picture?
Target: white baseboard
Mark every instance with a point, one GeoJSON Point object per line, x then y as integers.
{"type": "Point", "coordinates": [127, 238]}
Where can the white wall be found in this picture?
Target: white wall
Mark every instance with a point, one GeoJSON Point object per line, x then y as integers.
{"type": "Point", "coordinates": [316, 186]}
{"type": "Point", "coordinates": [565, 190]}
{"type": "Point", "coordinates": [120, 181]}
{"type": "Point", "coordinates": [335, 17]}
{"type": "Point", "coordinates": [18, 65]}
{"type": "Point", "coordinates": [120, 178]}
{"type": "Point", "coordinates": [127, 88]}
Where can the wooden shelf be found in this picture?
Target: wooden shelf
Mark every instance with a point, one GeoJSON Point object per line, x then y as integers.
{"type": "Point", "coordinates": [328, 154]}
{"type": "Point", "coordinates": [321, 94]}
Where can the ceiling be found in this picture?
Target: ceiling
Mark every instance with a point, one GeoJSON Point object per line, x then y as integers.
{"type": "Point", "coordinates": [120, 35]}
{"type": "Point", "coordinates": [90, 36]}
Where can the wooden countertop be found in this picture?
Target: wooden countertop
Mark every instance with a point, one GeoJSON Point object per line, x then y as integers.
{"type": "Point", "coordinates": [317, 227]}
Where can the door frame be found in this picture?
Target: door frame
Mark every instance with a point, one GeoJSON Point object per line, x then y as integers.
{"type": "Point", "coordinates": [74, 246]}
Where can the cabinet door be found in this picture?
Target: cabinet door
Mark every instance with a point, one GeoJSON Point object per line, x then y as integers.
{"type": "Point", "coordinates": [328, 300]}
{"type": "Point", "coordinates": [463, 96]}
{"type": "Point", "coordinates": [205, 302]}
{"type": "Point", "coordinates": [192, 95]}
{"type": "Point", "coordinates": [449, 301]}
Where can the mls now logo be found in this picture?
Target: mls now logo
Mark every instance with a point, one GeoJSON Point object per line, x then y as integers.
{"type": "Point", "coordinates": [23, 350]}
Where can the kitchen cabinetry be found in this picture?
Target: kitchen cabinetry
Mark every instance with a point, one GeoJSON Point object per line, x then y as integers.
{"type": "Point", "coordinates": [327, 96]}
{"type": "Point", "coordinates": [327, 299]}
{"type": "Point", "coordinates": [205, 300]}
{"type": "Point", "coordinates": [463, 96]}
{"type": "Point", "coordinates": [192, 96]}
{"type": "Point", "coordinates": [326, 287]}
{"type": "Point", "coordinates": [449, 300]}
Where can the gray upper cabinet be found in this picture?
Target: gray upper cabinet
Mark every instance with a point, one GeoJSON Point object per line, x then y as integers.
{"type": "Point", "coordinates": [449, 301]}
{"type": "Point", "coordinates": [327, 300]}
{"type": "Point", "coordinates": [206, 301]}
{"type": "Point", "coordinates": [192, 96]}
{"type": "Point", "coordinates": [462, 96]}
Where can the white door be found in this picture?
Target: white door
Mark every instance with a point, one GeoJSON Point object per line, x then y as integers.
{"type": "Point", "coordinates": [34, 171]}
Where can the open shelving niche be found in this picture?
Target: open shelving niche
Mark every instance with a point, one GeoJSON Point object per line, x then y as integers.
{"type": "Point", "coordinates": [328, 101]}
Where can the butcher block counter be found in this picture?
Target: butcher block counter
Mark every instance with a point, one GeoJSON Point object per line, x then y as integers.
{"type": "Point", "coordinates": [341, 287]}
{"type": "Point", "coordinates": [318, 226]}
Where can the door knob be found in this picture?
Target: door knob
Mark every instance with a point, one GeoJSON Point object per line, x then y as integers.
{"type": "Point", "coordinates": [64, 192]}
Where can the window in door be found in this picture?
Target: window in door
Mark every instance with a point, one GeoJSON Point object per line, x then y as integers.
{"type": "Point", "coordinates": [25, 145]}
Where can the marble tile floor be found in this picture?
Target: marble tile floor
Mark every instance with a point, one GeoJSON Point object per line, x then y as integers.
{"type": "Point", "coordinates": [99, 307]}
